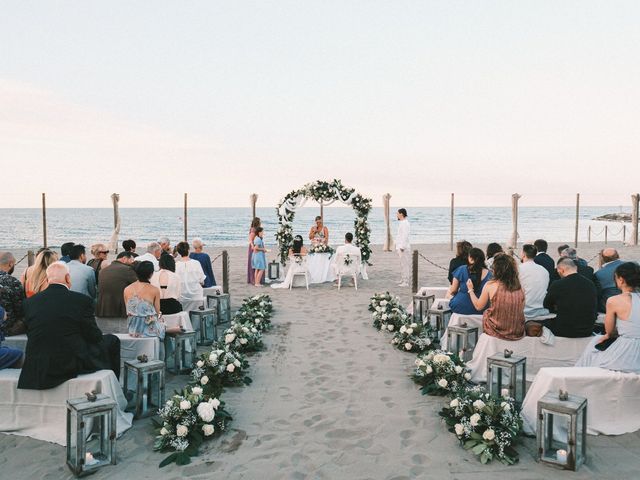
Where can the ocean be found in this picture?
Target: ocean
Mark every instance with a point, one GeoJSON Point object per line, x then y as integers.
{"type": "Point", "coordinates": [22, 228]}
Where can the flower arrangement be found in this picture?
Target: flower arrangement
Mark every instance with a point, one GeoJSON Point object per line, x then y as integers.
{"type": "Point", "coordinates": [220, 368]}
{"type": "Point", "coordinates": [486, 425]}
{"type": "Point", "coordinates": [255, 312]}
{"type": "Point", "coordinates": [188, 419]}
{"type": "Point", "coordinates": [347, 260]}
{"type": "Point", "coordinates": [414, 338]}
{"type": "Point", "coordinates": [321, 248]}
{"type": "Point", "coordinates": [388, 314]}
{"type": "Point", "coordinates": [241, 337]}
{"type": "Point", "coordinates": [324, 191]}
{"type": "Point", "coordinates": [440, 373]}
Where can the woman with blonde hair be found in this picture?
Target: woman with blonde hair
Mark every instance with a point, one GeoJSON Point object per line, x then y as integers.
{"type": "Point", "coordinates": [34, 278]}
{"type": "Point", "coordinates": [99, 260]}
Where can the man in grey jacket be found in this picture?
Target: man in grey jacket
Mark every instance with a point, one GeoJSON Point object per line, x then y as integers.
{"type": "Point", "coordinates": [83, 277]}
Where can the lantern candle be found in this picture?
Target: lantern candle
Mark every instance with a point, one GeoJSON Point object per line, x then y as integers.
{"type": "Point", "coordinates": [89, 460]}
{"type": "Point", "coordinates": [561, 456]}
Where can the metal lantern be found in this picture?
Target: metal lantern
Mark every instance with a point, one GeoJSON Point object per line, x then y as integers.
{"type": "Point", "coordinates": [441, 317]}
{"type": "Point", "coordinates": [462, 340]}
{"type": "Point", "coordinates": [507, 375]}
{"type": "Point", "coordinates": [91, 433]}
{"type": "Point", "coordinates": [221, 303]}
{"type": "Point", "coordinates": [274, 270]}
{"type": "Point", "coordinates": [421, 305]}
{"type": "Point", "coordinates": [181, 350]}
{"type": "Point", "coordinates": [149, 385]}
{"type": "Point", "coordinates": [562, 430]}
{"type": "Point", "coordinates": [204, 323]}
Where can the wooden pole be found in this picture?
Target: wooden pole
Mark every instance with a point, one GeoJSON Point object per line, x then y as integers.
{"type": "Point", "coordinates": [624, 233]}
{"type": "Point", "coordinates": [589, 234]}
{"type": "Point", "coordinates": [185, 217]}
{"type": "Point", "coordinates": [606, 234]}
{"type": "Point", "coordinates": [44, 220]}
{"type": "Point", "coordinates": [577, 218]}
{"type": "Point", "coordinates": [31, 258]}
{"type": "Point", "coordinates": [225, 271]}
{"type": "Point", "coordinates": [322, 211]}
{"type": "Point", "coordinates": [635, 204]}
{"type": "Point", "coordinates": [451, 226]}
{"type": "Point", "coordinates": [253, 198]}
{"type": "Point", "coordinates": [414, 273]}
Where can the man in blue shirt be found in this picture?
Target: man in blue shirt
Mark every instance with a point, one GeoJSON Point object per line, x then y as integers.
{"type": "Point", "coordinates": [609, 261]}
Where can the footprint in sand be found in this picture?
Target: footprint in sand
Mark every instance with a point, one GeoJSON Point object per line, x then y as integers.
{"type": "Point", "coordinates": [419, 459]}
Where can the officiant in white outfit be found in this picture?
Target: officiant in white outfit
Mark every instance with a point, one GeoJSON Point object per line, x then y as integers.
{"type": "Point", "coordinates": [403, 247]}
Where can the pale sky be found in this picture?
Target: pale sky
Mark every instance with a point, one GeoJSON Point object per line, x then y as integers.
{"type": "Point", "coordinates": [222, 99]}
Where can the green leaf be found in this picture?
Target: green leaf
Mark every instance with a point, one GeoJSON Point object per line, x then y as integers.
{"type": "Point", "coordinates": [485, 457]}
{"type": "Point", "coordinates": [170, 459]}
{"type": "Point", "coordinates": [469, 444]}
{"type": "Point", "coordinates": [478, 449]}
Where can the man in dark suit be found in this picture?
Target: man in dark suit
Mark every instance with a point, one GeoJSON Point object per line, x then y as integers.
{"type": "Point", "coordinates": [63, 340]}
{"type": "Point", "coordinates": [543, 259]}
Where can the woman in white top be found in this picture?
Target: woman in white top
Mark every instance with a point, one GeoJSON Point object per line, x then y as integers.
{"type": "Point", "coordinates": [191, 279]}
{"type": "Point", "coordinates": [169, 284]}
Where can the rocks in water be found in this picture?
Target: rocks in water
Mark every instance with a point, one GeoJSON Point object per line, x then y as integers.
{"type": "Point", "coordinates": [615, 217]}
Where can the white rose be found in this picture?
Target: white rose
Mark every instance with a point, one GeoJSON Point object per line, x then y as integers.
{"type": "Point", "coordinates": [383, 303]}
{"type": "Point", "coordinates": [245, 329]}
{"type": "Point", "coordinates": [243, 341]}
{"type": "Point", "coordinates": [197, 390]}
{"type": "Point", "coordinates": [231, 367]}
{"type": "Point", "coordinates": [208, 430]}
{"type": "Point", "coordinates": [429, 369]}
{"type": "Point", "coordinates": [427, 342]}
{"type": "Point", "coordinates": [182, 430]}
{"type": "Point", "coordinates": [185, 405]}
{"type": "Point", "coordinates": [229, 338]}
{"type": "Point", "coordinates": [474, 419]}
{"type": "Point", "coordinates": [390, 328]}
{"type": "Point", "coordinates": [478, 404]}
{"type": "Point", "coordinates": [200, 364]}
{"type": "Point", "coordinates": [454, 403]}
{"type": "Point", "coordinates": [467, 376]}
{"type": "Point", "coordinates": [257, 321]}
{"type": "Point", "coordinates": [409, 331]}
{"type": "Point", "coordinates": [458, 369]}
{"type": "Point", "coordinates": [237, 363]}
{"type": "Point", "coordinates": [459, 429]}
{"type": "Point", "coordinates": [421, 363]}
{"type": "Point", "coordinates": [408, 346]}
{"type": "Point", "coordinates": [443, 383]}
{"type": "Point", "coordinates": [384, 316]}
{"type": "Point", "coordinates": [204, 380]}
{"type": "Point", "coordinates": [254, 330]}
{"type": "Point", "coordinates": [414, 325]}
{"type": "Point", "coordinates": [489, 434]}
{"type": "Point", "coordinates": [505, 406]}
{"type": "Point", "coordinates": [164, 431]}
{"type": "Point", "coordinates": [417, 362]}
{"type": "Point", "coordinates": [403, 329]}
{"type": "Point", "coordinates": [214, 402]}
{"type": "Point", "coordinates": [395, 341]}
{"type": "Point", "coordinates": [213, 358]}
{"type": "Point", "coordinates": [379, 309]}
{"type": "Point", "coordinates": [206, 412]}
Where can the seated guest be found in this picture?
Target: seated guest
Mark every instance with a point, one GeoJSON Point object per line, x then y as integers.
{"type": "Point", "coordinates": [343, 250]}
{"type": "Point", "coordinates": [65, 252]}
{"type": "Point", "coordinates": [462, 253]}
{"type": "Point", "coordinates": [583, 269]}
{"type": "Point", "coordinates": [479, 275]}
{"type": "Point", "coordinates": [606, 283]}
{"type": "Point", "coordinates": [543, 259]}
{"type": "Point", "coordinates": [11, 295]}
{"type": "Point", "coordinates": [562, 253]}
{"type": "Point", "coordinates": [535, 281]}
{"type": "Point", "coordinates": [574, 300]}
{"type": "Point", "coordinates": [152, 255]}
{"type": "Point", "coordinates": [63, 340]}
{"type": "Point", "coordinates": [34, 278]}
{"type": "Point", "coordinates": [83, 278]}
{"type": "Point", "coordinates": [191, 279]}
{"type": "Point", "coordinates": [114, 278]}
{"type": "Point", "coordinates": [143, 304]}
{"type": "Point", "coordinates": [622, 323]}
{"type": "Point", "coordinates": [168, 283]}
{"type": "Point", "coordinates": [298, 248]}
{"type": "Point", "coordinates": [129, 246]}
{"type": "Point", "coordinates": [165, 245]}
{"type": "Point", "coordinates": [205, 262]}
{"type": "Point", "coordinates": [504, 297]}
{"type": "Point", "coordinates": [99, 260]}
{"type": "Point", "coordinates": [9, 357]}
{"type": "Point", "coordinates": [492, 250]}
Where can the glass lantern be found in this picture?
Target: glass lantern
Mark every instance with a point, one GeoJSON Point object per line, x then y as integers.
{"type": "Point", "coordinates": [91, 433]}
{"type": "Point", "coordinates": [441, 317]}
{"type": "Point", "coordinates": [274, 270]}
{"type": "Point", "coordinates": [507, 376]}
{"type": "Point", "coordinates": [421, 305]}
{"type": "Point", "coordinates": [221, 303]}
{"type": "Point", "coordinates": [462, 340]}
{"type": "Point", "coordinates": [149, 389]}
{"type": "Point", "coordinates": [204, 323]}
{"type": "Point", "coordinates": [562, 430]}
{"type": "Point", "coordinates": [180, 350]}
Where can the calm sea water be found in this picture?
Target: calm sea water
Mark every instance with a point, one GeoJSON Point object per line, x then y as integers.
{"type": "Point", "coordinates": [22, 228]}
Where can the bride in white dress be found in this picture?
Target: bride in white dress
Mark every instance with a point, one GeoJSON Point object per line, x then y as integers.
{"type": "Point", "coordinates": [297, 252]}
{"type": "Point", "coordinates": [622, 323]}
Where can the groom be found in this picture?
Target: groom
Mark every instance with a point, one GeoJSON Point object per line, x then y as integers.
{"type": "Point", "coordinates": [403, 247]}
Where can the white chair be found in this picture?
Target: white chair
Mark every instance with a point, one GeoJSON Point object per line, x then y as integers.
{"type": "Point", "coordinates": [348, 265]}
{"type": "Point", "coordinates": [299, 269]}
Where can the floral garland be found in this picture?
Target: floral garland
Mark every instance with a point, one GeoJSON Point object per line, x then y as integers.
{"type": "Point", "coordinates": [323, 191]}
{"type": "Point", "coordinates": [487, 425]}
{"type": "Point", "coordinates": [321, 248]}
{"type": "Point", "coordinates": [196, 413]}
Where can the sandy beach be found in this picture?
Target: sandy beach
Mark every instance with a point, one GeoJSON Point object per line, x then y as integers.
{"type": "Point", "coordinates": [330, 399]}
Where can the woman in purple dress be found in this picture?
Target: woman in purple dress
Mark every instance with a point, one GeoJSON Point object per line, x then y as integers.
{"type": "Point", "coordinates": [252, 235]}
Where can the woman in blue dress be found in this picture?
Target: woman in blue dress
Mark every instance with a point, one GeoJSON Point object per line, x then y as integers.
{"type": "Point", "coordinates": [477, 271]}
{"type": "Point", "coordinates": [259, 258]}
{"type": "Point", "coordinates": [143, 305]}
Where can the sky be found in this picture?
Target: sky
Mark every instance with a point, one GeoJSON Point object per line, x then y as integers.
{"type": "Point", "coordinates": [416, 98]}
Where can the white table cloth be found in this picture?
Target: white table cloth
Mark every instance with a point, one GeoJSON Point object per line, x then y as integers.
{"type": "Point", "coordinates": [320, 268]}
{"type": "Point", "coordinates": [564, 353]}
{"type": "Point", "coordinates": [613, 398]}
{"type": "Point", "coordinates": [42, 414]}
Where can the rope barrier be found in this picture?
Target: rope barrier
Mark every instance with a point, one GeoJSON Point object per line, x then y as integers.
{"type": "Point", "coordinates": [215, 258]}
{"type": "Point", "coordinates": [22, 259]}
{"type": "Point", "coordinates": [432, 263]}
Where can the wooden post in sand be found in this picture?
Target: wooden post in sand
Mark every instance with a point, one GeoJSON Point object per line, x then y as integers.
{"type": "Point", "coordinates": [185, 217]}
{"type": "Point", "coordinates": [624, 233]}
{"type": "Point", "coordinates": [31, 258]}
{"type": "Point", "coordinates": [577, 217]}
{"type": "Point", "coordinates": [44, 220]}
{"type": "Point", "coordinates": [451, 227]}
{"type": "Point", "coordinates": [606, 234]}
{"type": "Point", "coordinates": [253, 198]}
{"type": "Point", "coordinates": [414, 273]}
{"type": "Point", "coordinates": [225, 271]}
{"type": "Point", "coordinates": [589, 234]}
{"type": "Point", "coordinates": [635, 204]}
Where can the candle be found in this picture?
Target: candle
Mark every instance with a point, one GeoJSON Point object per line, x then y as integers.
{"type": "Point", "coordinates": [561, 456]}
{"type": "Point", "coordinates": [504, 392]}
{"type": "Point", "coordinates": [89, 460]}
